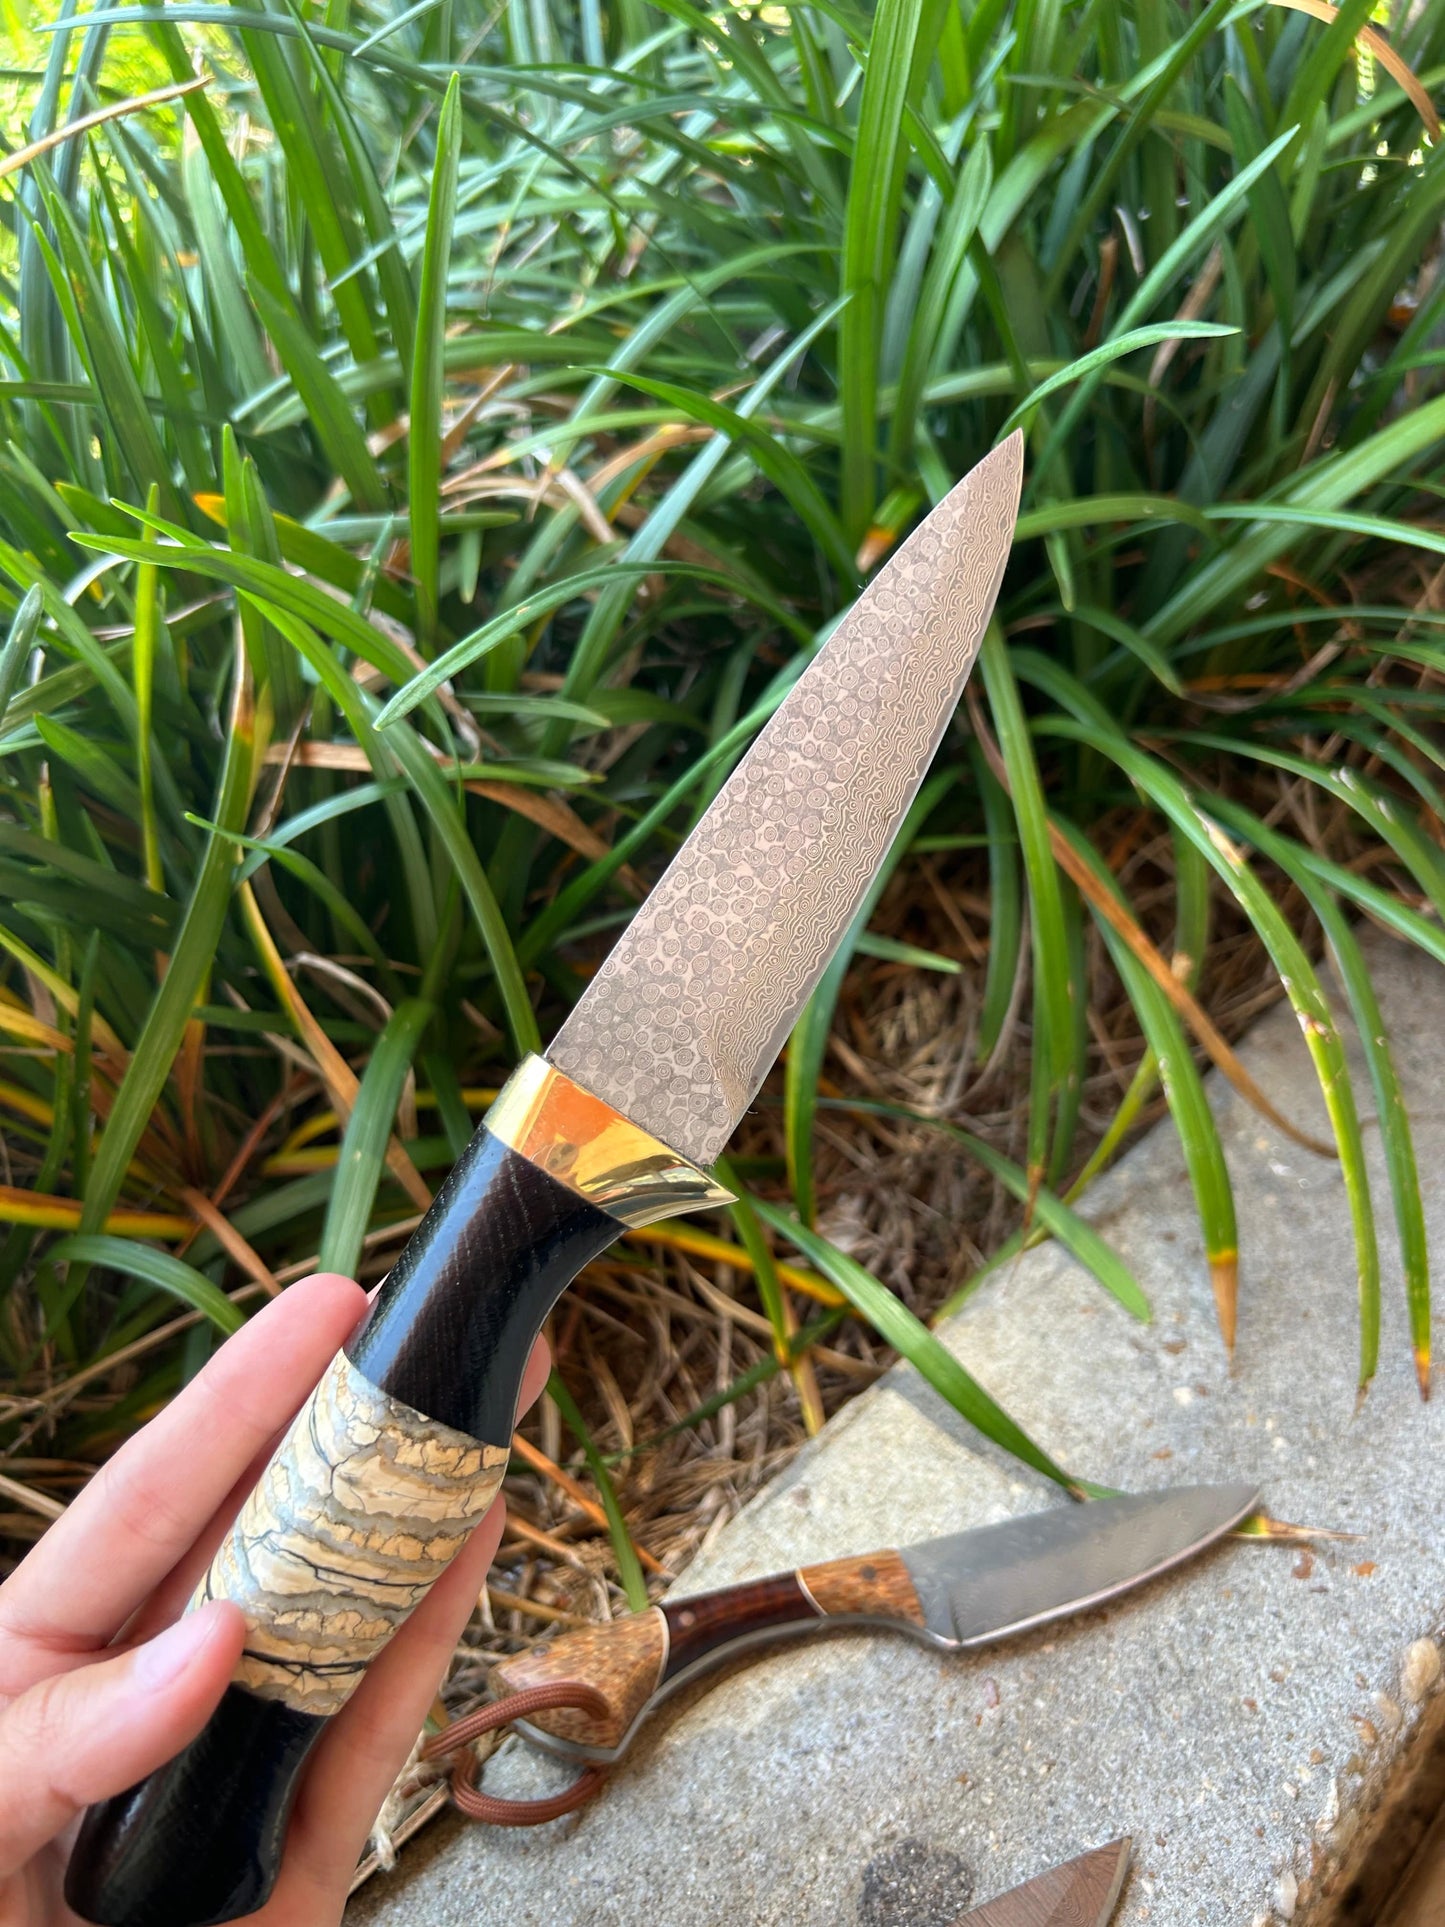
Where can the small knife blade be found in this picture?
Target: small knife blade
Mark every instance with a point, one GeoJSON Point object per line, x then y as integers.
{"type": "Point", "coordinates": [1079, 1893]}
{"type": "Point", "coordinates": [959, 1591]}
{"type": "Point", "coordinates": [985, 1584]}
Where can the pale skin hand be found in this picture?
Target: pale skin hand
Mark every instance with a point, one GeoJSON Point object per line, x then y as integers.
{"type": "Point", "coordinates": [101, 1680]}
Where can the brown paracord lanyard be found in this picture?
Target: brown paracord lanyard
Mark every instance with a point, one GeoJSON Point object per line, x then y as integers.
{"type": "Point", "coordinates": [457, 1740]}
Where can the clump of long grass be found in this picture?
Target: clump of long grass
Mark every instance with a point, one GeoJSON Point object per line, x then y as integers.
{"type": "Point", "coordinates": [428, 447]}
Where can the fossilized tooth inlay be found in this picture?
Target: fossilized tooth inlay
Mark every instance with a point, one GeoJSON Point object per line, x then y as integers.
{"type": "Point", "coordinates": [363, 1506]}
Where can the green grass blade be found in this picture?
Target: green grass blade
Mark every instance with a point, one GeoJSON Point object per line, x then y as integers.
{"type": "Point", "coordinates": [327, 408]}
{"type": "Point", "coordinates": [167, 1273]}
{"type": "Point", "coordinates": [1296, 973]}
{"type": "Point", "coordinates": [1396, 1138]}
{"type": "Point", "coordinates": [1074, 1233]}
{"type": "Point", "coordinates": [423, 469]}
{"type": "Point", "coordinates": [19, 645]}
{"type": "Point", "coordinates": [870, 232]}
{"type": "Point", "coordinates": [1184, 1089]}
{"type": "Point", "coordinates": [898, 1327]}
{"type": "Point", "coordinates": [368, 1133]}
{"type": "Point", "coordinates": [1112, 350]}
{"type": "Point", "coordinates": [629, 1566]}
{"type": "Point", "coordinates": [1005, 907]}
{"type": "Point", "coordinates": [192, 956]}
{"type": "Point", "coordinates": [808, 1043]}
{"type": "Point", "coordinates": [143, 662]}
{"type": "Point", "coordinates": [1053, 975]}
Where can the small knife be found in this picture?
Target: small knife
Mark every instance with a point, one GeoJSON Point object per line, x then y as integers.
{"type": "Point", "coordinates": [1080, 1893]}
{"type": "Point", "coordinates": [402, 1446]}
{"type": "Point", "coordinates": [954, 1593]}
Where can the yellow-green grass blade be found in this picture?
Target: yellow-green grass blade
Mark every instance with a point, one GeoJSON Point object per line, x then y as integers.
{"type": "Point", "coordinates": [525, 614]}
{"type": "Point", "coordinates": [319, 185]}
{"type": "Point", "coordinates": [946, 262]}
{"type": "Point", "coordinates": [318, 552]}
{"type": "Point", "coordinates": [1223, 208]}
{"type": "Point", "coordinates": [1376, 808]}
{"type": "Point", "coordinates": [1112, 350]}
{"type": "Point", "coordinates": [252, 532]}
{"type": "Point", "coordinates": [1396, 1137]}
{"type": "Point", "coordinates": [99, 345]}
{"type": "Point", "coordinates": [1324, 486]}
{"type": "Point", "coordinates": [316, 880]}
{"type": "Point", "coordinates": [776, 462]}
{"type": "Point", "coordinates": [1056, 1061]}
{"type": "Point", "coordinates": [143, 660]}
{"type": "Point", "coordinates": [775, 1305]}
{"type": "Point", "coordinates": [327, 408]}
{"type": "Point", "coordinates": [157, 334]}
{"type": "Point", "coordinates": [1184, 1090]}
{"type": "Point", "coordinates": [1090, 724]}
{"type": "Point", "coordinates": [273, 588]}
{"type": "Point", "coordinates": [236, 337]}
{"type": "Point", "coordinates": [1107, 623]}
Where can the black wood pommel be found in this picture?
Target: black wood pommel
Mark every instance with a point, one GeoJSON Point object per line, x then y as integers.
{"type": "Point", "coordinates": [200, 1840]}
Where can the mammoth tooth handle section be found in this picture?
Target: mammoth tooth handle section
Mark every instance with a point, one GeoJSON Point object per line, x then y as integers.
{"type": "Point", "coordinates": [364, 1505]}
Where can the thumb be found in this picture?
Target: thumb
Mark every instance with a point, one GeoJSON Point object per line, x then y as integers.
{"type": "Point", "coordinates": [84, 1735]}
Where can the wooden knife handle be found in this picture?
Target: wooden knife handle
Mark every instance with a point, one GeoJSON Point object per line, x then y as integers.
{"type": "Point", "coordinates": [376, 1487]}
{"type": "Point", "coordinates": [633, 1660]}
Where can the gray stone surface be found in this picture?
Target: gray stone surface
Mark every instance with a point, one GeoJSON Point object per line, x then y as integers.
{"type": "Point", "coordinates": [1239, 1719]}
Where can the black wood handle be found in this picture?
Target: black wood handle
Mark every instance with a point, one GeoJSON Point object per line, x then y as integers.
{"type": "Point", "coordinates": [435, 1370]}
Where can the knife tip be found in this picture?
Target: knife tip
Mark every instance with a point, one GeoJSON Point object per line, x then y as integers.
{"type": "Point", "coordinates": [1006, 461]}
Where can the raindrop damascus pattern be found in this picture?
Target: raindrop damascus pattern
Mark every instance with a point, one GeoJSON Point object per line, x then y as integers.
{"type": "Point", "coordinates": [680, 1025]}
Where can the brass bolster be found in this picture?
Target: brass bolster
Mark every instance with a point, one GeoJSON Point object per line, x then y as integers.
{"type": "Point", "coordinates": [579, 1140]}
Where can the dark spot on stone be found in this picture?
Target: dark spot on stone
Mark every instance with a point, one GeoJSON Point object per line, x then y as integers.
{"type": "Point", "coordinates": [914, 1885]}
{"type": "Point", "coordinates": [868, 1574]}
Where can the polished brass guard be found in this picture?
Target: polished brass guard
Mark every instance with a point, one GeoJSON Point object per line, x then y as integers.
{"type": "Point", "coordinates": [579, 1140]}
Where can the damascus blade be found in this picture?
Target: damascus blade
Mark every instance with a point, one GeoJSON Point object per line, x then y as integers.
{"type": "Point", "coordinates": [684, 1019]}
{"type": "Point", "coordinates": [982, 1585]}
{"type": "Point", "coordinates": [1080, 1893]}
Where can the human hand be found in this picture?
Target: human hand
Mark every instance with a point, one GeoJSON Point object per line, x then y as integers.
{"type": "Point", "coordinates": [102, 1679]}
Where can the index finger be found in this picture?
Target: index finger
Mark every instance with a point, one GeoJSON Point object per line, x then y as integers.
{"type": "Point", "coordinates": [146, 1506]}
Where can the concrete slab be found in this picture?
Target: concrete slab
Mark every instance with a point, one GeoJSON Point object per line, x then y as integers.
{"type": "Point", "coordinates": [1252, 1721]}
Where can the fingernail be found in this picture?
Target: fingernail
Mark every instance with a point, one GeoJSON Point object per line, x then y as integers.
{"type": "Point", "coordinates": [166, 1656]}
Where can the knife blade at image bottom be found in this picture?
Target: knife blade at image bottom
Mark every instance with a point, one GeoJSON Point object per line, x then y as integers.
{"type": "Point", "coordinates": [1080, 1893]}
